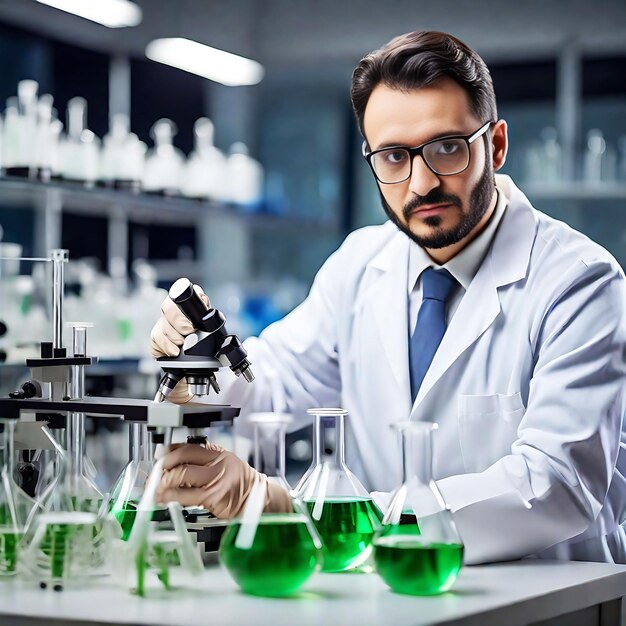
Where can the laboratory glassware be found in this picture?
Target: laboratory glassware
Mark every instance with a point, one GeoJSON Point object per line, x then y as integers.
{"type": "Point", "coordinates": [205, 169]}
{"type": "Point", "coordinates": [123, 155]}
{"type": "Point", "coordinates": [67, 536]}
{"type": "Point", "coordinates": [269, 431]}
{"type": "Point", "coordinates": [153, 551]}
{"type": "Point", "coordinates": [270, 554]}
{"type": "Point", "coordinates": [81, 148]}
{"type": "Point", "coordinates": [15, 505]}
{"type": "Point", "coordinates": [343, 512]}
{"type": "Point", "coordinates": [244, 176]}
{"type": "Point", "coordinates": [129, 486]}
{"type": "Point", "coordinates": [164, 162]}
{"type": "Point", "coordinates": [418, 550]}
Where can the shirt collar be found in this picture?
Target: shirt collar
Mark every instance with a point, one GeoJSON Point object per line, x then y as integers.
{"type": "Point", "coordinates": [465, 264]}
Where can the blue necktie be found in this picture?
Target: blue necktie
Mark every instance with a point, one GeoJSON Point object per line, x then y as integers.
{"type": "Point", "coordinates": [437, 285]}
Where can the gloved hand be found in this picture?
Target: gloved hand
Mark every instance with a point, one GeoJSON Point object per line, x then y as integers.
{"type": "Point", "coordinates": [216, 479]}
{"type": "Point", "coordinates": [167, 337]}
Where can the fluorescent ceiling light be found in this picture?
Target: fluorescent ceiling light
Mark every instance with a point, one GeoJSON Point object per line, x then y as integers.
{"type": "Point", "coordinates": [191, 56]}
{"type": "Point", "coordinates": [111, 13]}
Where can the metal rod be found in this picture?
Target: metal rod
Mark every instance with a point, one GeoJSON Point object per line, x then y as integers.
{"type": "Point", "coordinates": [24, 258]}
{"type": "Point", "coordinates": [76, 440]}
{"type": "Point", "coordinates": [59, 258]}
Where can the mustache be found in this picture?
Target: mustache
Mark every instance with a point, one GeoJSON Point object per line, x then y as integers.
{"type": "Point", "coordinates": [435, 196]}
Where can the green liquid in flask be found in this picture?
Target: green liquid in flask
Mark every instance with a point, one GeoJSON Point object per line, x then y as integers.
{"type": "Point", "coordinates": [126, 517]}
{"type": "Point", "coordinates": [62, 545]}
{"type": "Point", "coordinates": [413, 567]}
{"type": "Point", "coordinates": [8, 551]}
{"type": "Point", "coordinates": [281, 559]}
{"type": "Point", "coordinates": [347, 528]}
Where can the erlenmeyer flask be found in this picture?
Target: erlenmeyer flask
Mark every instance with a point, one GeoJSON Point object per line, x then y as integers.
{"type": "Point", "coordinates": [66, 536]}
{"type": "Point", "coordinates": [15, 505]}
{"type": "Point", "coordinates": [269, 445]}
{"type": "Point", "coordinates": [51, 456]}
{"type": "Point", "coordinates": [129, 486]}
{"type": "Point", "coordinates": [341, 509]}
{"type": "Point", "coordinates": [418, 549]}
{"type": "Point", "coordinates": [151, 551]}
{"type": "Point", "coordinates": [270, 554]}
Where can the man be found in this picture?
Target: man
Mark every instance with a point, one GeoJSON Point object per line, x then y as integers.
{"type": "Point", "coordinates": [468, 308]}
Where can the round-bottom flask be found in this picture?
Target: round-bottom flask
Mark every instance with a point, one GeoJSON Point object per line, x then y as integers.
{"type": "Point", "coordinates": [418, 550]}
{"type": "Point", "coordinates": [270, 554]}
{"type": "Point", "coordinates": [341, 509]}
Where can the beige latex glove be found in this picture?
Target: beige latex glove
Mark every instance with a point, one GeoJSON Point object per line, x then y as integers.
{"type": "Point", "coordinates": [216, 479]}
{"type": "Point", "coordinates": [167, 337]}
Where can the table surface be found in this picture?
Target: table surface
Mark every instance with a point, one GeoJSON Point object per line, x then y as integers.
{"type": "Point", "coordinates": [508, 593]}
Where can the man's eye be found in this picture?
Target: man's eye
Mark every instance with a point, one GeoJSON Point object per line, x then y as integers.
{"type": "Point", "coordinates": [448, 147]}
{"type": "Point", "coordinates": [395, 156]}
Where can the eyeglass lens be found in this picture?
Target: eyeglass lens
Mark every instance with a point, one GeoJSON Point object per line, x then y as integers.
{"type": "Point", "coordinates": [448, 156]}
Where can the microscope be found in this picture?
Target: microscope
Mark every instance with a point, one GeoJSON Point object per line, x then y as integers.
{"type": "Point", "coordinates": [204, 351]}
{"type": "Point", "coordinates": [55, 394]}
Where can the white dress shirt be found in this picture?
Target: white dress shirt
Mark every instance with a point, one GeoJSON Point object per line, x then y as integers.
{"type": "Point", "coordinates": [463, 266]}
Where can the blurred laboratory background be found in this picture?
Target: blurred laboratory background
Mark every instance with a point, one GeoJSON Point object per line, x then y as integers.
{"type": "Point", "coordinates": [129, 138]}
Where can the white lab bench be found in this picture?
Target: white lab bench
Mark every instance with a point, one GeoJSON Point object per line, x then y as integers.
{"type": "Point", "coordinates": [547, 593]}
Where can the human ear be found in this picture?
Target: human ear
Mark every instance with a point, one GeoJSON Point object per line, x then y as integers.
{"type": "Point", "coordinates": [499, 144]}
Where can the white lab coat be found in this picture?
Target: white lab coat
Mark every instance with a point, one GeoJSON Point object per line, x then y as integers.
{"type": "Point", "coordinates": [528, 385]}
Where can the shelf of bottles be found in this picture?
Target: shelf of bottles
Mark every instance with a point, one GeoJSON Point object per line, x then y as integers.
{"type": "Point", "coordinates": [600, 171]}
{"type": "Point", "coordinates": [51, 167]}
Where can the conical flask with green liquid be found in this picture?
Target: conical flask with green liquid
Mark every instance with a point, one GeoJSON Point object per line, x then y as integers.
{"type": "Point", "coordinates": [418, 550]}
{"type": "Point", "coordinates": [130, 484]}
{"type": "Point", "coordinates": [15, 505]}
{"type": "Point", "coordinates": [341, 509]}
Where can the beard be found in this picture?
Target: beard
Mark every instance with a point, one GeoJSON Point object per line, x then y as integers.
{"type": "Point", "coordinates": [441, 238]}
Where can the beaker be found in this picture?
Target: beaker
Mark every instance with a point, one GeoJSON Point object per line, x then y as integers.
{"type": "Point", "coordinates": [15, 505]}
{"type": "Point", "coordinates": [270, 554]}
{"type": "Point", "coordinates": [269, 445]}
{"type": "Point", "coordinates": [343, 512]}
{"type": "Point", "coordinates": [129, 486]}
{"type": "Point", "coordinates": [418, 549]}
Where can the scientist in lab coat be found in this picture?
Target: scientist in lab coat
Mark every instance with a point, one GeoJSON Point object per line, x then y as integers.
{"type": "Point", "coordinates": [469, 308]}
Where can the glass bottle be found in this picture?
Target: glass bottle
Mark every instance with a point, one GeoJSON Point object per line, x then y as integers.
{"type": "Point", "coordinates": [418, 549]}
{"type": "Point", "coordinates": [341, 509]}
{"type": "Point", "coordinates": [270, 554]}
{"type": "Point", "coordinates": [129, 486]}
{"type": "Point", "coordinates": [15, 505]}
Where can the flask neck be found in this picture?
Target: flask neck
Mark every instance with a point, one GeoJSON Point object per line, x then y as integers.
{"type": "Point", "coordinates": [140, 446]}
{"type": "Point", "coordinates": [416, 453]}
{"type": "Point", "coordinates": [75, 442]}
{"type": "Point", "coordinates": [269, 449]}
{"type": "Point", "coordinates": [8, 447]}
{"type": "Point", "coordinates": [328, 439]}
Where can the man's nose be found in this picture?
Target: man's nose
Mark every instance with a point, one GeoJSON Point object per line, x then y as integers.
{"type": "Point", "coordinates": [423, 179]}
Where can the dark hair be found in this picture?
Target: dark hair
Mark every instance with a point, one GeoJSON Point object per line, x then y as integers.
{"type": "Point", "coordinates": [419, 59]}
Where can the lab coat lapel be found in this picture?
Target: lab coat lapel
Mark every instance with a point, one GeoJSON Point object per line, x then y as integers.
{"type": "Point", "coordinates": [386, 292]}
{"type": "Point", "coordinates": [506, 262]}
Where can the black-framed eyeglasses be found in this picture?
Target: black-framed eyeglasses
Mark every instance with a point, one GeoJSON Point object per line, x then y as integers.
{"type": "Point", "coordinates": [444, 156]}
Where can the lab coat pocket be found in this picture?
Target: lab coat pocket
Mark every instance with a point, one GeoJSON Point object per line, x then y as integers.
{"type": "Point", "coordinates": [487, 427]}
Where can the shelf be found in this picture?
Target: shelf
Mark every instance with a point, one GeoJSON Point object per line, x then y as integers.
{"type": "Point", "coordinates": [139, 207]}
{"type": "Point", "coordinates": [575, 191]}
